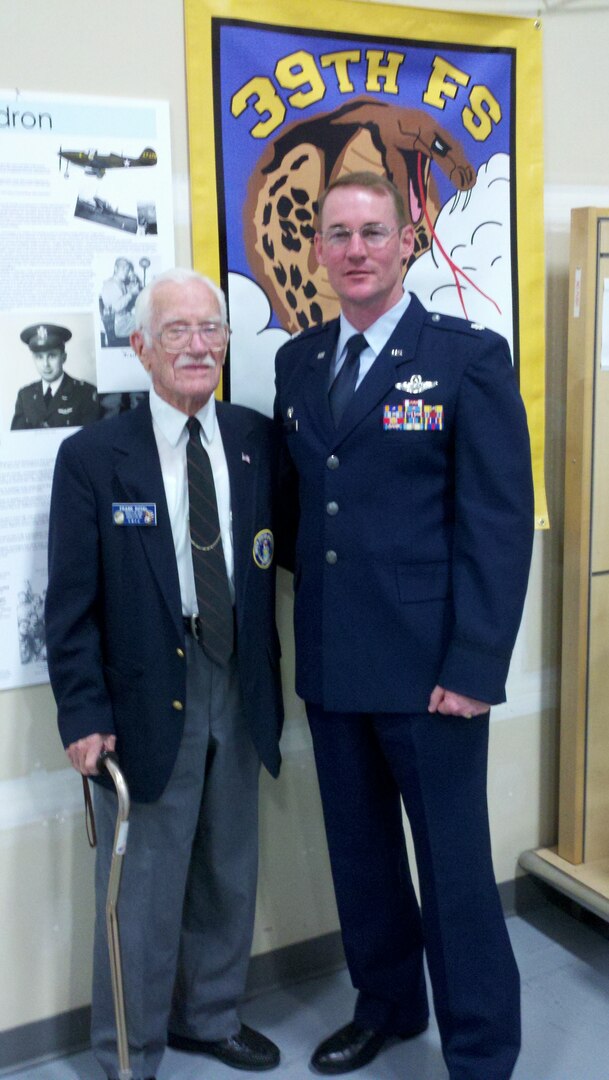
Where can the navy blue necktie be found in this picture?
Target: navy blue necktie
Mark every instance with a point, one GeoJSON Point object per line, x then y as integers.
{"type": "Point", "coordinates": [211, 578]}
{"type": "Point", "coordinates": [343, 387]}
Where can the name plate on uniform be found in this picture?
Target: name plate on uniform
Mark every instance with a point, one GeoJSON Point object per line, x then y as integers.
{"type": "Point", "coordinates": [134, 513]}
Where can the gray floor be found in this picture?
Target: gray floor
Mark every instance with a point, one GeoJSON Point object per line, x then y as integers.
{"type": "Point", "coordinates": [564, 964]}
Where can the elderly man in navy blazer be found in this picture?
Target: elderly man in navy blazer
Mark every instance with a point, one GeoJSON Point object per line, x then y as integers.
{"type": "Point", "coordinates": [407, 486]}
{"type": "Point", "coordinates": [162, 646]}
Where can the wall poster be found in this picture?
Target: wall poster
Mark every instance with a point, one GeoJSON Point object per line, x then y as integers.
{"type": "Point", "coordinates": [86, 218]}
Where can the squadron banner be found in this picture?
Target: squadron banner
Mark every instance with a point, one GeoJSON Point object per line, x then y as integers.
{"type": "Point", "coordinates": [446, 105]}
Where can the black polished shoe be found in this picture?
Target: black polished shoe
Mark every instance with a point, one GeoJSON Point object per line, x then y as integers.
{"type": "Point", "coordinates": [248, 1049]}
{"type": "Point", "coordinates": [352, 1047]}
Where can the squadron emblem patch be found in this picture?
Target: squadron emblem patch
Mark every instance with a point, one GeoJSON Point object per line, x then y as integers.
{"type": "Point", "coordinates": [263, 549]}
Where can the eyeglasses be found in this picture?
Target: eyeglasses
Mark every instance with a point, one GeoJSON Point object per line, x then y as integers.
{"type": "Point", "coordinates": [177, 336]}
{"type": "Point", "coordinates": [374, 236]}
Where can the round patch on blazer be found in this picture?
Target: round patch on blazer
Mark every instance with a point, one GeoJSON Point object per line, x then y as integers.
{"type": "Point", "coordinates": [263, 548]}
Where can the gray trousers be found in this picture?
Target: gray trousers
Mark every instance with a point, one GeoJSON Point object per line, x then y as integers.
{"type": "Point", "coordinates": [188, 890]}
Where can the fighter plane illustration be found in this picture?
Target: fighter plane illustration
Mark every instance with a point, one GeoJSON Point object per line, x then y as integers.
{"type": "Point", "coordinates": [96, 164]}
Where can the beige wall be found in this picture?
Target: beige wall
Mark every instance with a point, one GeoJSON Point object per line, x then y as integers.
{"type": "Point", "coordinates": [134, 48]}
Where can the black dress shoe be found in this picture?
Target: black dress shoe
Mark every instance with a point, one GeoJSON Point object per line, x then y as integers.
{"type": "Point", "coordinates": [352, 1047]}
{"type": "Point", "coordinates": [248, 1049]}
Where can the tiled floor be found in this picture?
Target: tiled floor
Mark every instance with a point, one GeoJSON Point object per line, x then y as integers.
{"type": "Point", "coordinates": [564, 964]}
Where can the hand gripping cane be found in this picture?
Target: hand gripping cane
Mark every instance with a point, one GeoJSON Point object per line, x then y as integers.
{"type": "Point", "coordinates": [108, 761]}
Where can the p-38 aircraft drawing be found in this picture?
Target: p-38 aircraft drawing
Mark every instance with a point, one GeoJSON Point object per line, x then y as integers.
{"type": "Point", "coordinates": [96, 164]}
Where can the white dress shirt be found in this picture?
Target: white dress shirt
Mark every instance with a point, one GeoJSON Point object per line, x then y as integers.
{"type": "Point", "coordinates": [169, 425]}
{"type": "Point", "coordinates": [377, 335]}
{"type": "Point", "coordinates": [52, 386]}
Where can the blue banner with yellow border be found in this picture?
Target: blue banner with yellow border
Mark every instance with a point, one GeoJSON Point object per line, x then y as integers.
{"type": "Point", "coordinates": [448, 106]}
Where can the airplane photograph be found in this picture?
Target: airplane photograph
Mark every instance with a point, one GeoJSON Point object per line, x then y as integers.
{"type": "Point", "coordinates": [101, 212]}
{"type": "Point", "coordinates": [96, 164]}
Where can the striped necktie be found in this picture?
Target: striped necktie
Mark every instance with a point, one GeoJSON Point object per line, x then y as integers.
{"type": "Point", "coordinates": [211, 579]}
{"type": "Point", "coordinates": [343, 387]}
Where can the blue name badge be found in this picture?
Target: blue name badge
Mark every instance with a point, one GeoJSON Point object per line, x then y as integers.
{"type": "Point", "coordinates": [134, 513]}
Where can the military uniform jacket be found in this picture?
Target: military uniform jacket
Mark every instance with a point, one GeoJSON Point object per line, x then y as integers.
{"type": "Point", "coordinates": [115, 634]}
{"type": "Point", "coordinates": [74, 404]}
{"type": "Point", "coordinates": [413, 521]}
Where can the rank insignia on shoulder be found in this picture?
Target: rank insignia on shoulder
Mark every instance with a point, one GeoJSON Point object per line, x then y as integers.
{"type": "Point", "coordinates": [134, 514]}
{"type": "Point", "coordinates": [477, 326]}
{"type": "Point", "coordinates": [263, 549]}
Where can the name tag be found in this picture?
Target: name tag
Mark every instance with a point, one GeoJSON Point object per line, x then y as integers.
{"type": "Point", "coordinates": [134, 513]}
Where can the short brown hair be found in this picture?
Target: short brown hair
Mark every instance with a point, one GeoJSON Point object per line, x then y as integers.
{"type": "Point", "coordinates": [375, 181]}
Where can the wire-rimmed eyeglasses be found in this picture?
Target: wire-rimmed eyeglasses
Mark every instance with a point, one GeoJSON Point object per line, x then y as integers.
{"type": "Point", "coordinates": [373, 235]}
{"type": "Point", "coordinates": [178, 336]}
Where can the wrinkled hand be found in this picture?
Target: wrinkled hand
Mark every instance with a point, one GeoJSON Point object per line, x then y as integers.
{"type": "Point", "coordinates": [85, 753]}
{"type": "Point", "coordinates": [450, 704]}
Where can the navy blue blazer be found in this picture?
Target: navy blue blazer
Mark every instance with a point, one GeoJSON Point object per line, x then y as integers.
{"type": "Point", "coordinates": [115, 635]}
{"type": "Point", "coordinates": [412, 523]}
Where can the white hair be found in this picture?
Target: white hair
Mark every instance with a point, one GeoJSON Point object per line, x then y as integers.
{"type": "Point", "coordinates": [144, 305]}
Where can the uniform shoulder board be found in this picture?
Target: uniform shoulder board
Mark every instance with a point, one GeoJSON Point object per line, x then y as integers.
{"type": "Point", "coordinates": [455, 324]}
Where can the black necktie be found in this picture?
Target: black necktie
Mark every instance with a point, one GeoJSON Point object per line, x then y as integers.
{"type": "Point", "coordinates": [211, 579]}
{"type": "Point", "coordinates": [343, 387]}
{"type": "Point", "coordinates": [48, 395]}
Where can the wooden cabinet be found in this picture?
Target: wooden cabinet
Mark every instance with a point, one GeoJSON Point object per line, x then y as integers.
{"type": "Point", "coordinates": [579, 865]}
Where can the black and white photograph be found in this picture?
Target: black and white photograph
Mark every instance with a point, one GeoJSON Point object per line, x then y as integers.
{"type": "Point", "coordinates": [50, 376]}
{"type": "Point", "coordinates": [117, 298]}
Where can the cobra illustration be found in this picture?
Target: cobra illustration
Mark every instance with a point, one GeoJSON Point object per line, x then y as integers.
{"type": "Point", "coordinates": [280, 209]}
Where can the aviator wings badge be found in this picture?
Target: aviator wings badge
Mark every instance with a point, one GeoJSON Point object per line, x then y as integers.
{"type": "Point", "coordinates": [415, 385]}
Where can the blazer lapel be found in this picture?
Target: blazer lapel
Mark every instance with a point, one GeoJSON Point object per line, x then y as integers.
{"type": "Point", "coordinates": [242, 462]}
{"type": "Point", "coordinates": [318, 378]}
{"type": "Point", "coordinates": [138, 471]}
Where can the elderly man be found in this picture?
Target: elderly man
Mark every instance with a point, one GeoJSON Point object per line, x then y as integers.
{"type": "Point", "coordinates": [56, 400]}
{"type": "Point", "coordinates": [408, 472]}
{"type": "Point", "coordinates": [162, 646]}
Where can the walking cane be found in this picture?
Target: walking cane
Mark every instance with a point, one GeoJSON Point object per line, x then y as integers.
{"type": "Point", "coordinates": [108, 761]}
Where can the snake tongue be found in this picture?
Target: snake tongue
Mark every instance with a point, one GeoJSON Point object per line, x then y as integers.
{"type": "Point", "coordinates": [414, 193]}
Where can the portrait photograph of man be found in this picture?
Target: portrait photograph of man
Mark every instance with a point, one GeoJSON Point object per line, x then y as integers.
{"type": "Point", "coordinates": [50, 379]}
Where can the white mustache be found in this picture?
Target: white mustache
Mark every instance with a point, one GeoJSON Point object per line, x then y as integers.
{"type": "Point", "coordinates": [187, 360]}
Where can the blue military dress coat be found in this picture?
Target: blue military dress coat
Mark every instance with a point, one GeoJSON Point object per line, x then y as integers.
{"type": "Point", "coordinates": [414, 520]}
{"type": "Point", "coordinates": [115, 634]}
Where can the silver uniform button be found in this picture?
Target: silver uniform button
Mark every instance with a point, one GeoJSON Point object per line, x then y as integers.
{"type": "Point", "coordinates": [331, 558]}
{"type": "Point", "coordinates": [332, 508]}
{"type": "Point", "coordinates": [332, 462]}
{"type": "Point", "coordinates": [435, 317]}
